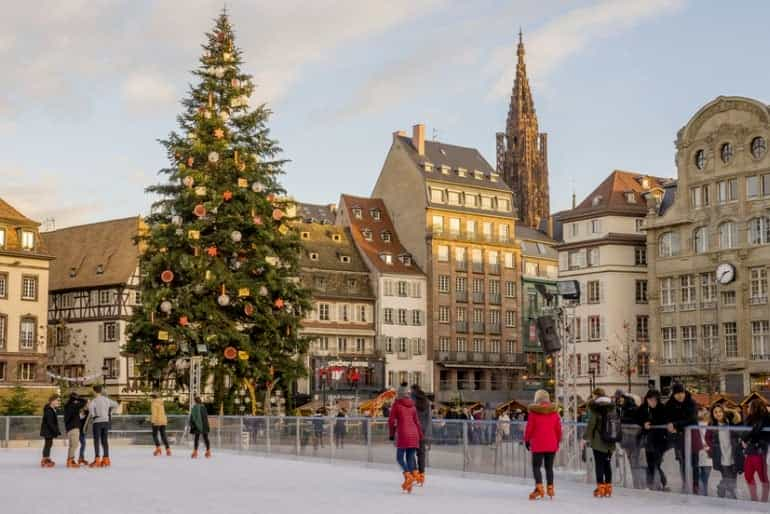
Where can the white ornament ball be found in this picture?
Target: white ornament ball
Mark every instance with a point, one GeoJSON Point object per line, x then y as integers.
{"type": "Point", "coordinates": [223, 300]}
{"type": "Point", "coordinates": [165, 306]}
{"type": "Point", "coordinates": [179, 232]}
{"type": "Point", "coordinates": [188, 181]}
{"type": "Point", "coordinates": [257, 187]}
{"type": "Point", "coordinates": [219, 72]}
{"type": "Point", "coordinates": [236, 236]}
{"type": "Point", "coordinates": [262, 291]}
{"type": "Point", "coordinates": [176, 219]}
{"type": "Point", "coordinates": [213, 157]}
{"type": "Point", "coordinates": [224, 115]}
{"type": "Point", "coordinates": [227, 56]}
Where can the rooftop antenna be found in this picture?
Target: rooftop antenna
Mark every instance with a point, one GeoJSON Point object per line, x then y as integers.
{"type": "Point", "coordinates": [574, 198]}
{"type": "Point", "coordinates": [435, 134]}
{"type": "Point", "coordinates": [49, 225]}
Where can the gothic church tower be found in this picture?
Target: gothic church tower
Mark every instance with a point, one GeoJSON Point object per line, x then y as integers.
{"type": "Point", "coordinates": [522, 152]}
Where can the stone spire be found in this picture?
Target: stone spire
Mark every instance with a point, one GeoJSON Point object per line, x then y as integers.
{"type": "Point", "coordinates": [522, 151]}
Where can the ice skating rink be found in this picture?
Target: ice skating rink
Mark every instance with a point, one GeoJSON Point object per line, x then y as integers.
{"type": "Point", "coordinates": [233, 484]}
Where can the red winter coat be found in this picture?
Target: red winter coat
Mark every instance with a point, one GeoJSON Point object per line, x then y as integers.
{"type": "Point", "coordinates": [543, 432]}
{"type": "Point", "coordinates": [403, 423]}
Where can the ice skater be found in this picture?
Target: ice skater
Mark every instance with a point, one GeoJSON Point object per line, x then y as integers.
{"type": "Point", "coordinates": [602, 434]}
{"type": "Point", "coordinates": [159, 420]}
{"type": "Point", "coordinates": [424, 415]}
{"type": "Point", "coordinates": [72, 425]}
{"type": "Point", "coordinates": [405, 430]}
{"type": "Point", "coordinates": [49, 430]}
{"type": "Point", "coordinates": [100, 411]}
{"type": "Point", "coordinates": [542, 437]}
{"type": "Point", "coordinates": [199, 426]}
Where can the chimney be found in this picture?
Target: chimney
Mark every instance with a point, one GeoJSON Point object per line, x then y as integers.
{"type": "Point", "coordinates": [398, 133]}
{"type": "Point", "coordinates": [574, 200]}
{"type": "Point", "coordinates": [550, 227]}
{"type": "Point", "coordinates": [418, 138]}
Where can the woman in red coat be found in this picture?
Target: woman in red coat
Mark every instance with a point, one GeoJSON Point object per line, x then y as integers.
{"type": "Point", "coordinates": [542, 437]}
{"type": "Point", "coordinates": [405, 430]}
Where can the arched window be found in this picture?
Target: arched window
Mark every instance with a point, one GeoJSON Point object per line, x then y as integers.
{"type": "Point", "coordinates": [700, 240]}
{"type": "Point", "coordinates": [726, 152]}
{"type": "Point", "coordinates": [759, 231]}
{"type": "Point", "coordinates": [700, 159]}
{"type": "Point", "coordinates": [668, 244]}
{"type": "Point", "coordinates": [758, 147]}
{"type": "Point", "coordinates": [728, 235]}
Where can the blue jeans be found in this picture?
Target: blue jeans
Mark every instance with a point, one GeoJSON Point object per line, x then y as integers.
{"type": "Point", "coordinates": [82, 444]}
{"type": "Point", "coordinates": [100, 436]}
{"type": "Point", "coordinates": [406, 458]}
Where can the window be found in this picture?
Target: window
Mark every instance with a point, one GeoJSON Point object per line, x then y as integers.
{"type": "Point", "coordinates": [27, 333]}
{"type": "Point", "coordinates": [700, 240]}
{"type": "Point", "coordinates": [595, 363]}
{"type": "Point", "coordinates": [2, 238]}
{"type": "Point", "coordinates": [387, 258]}
{"type": "Point", "coordinates": [416, 317]}
{"type": "Point", "coordinates": [460, 257]}
{"type": "Point", "coordinates": [577, 259]}
{"type": "Point", "coordinates": [3, 285]}
{"type": "Point", "coordinates": [478, 315]}
{"type": "Point", "coordinates": [29, 288]}
{"type": "Point", "coordinates": [3, 331]}
{"type": "Point", "coordinates": [486, 230]}
{"type": "Point", "coordinates": [669, 343]}
{"type": "Point", "coordinates": [494, 287]}
{"type": "Point", "coordinates": [642, 328]}
{"type": "Point", "coordinates": [630, 197]}
{"type": "Point", "coordinates": [342, 344]}
{"type": "Point", "coordinates": [344, 314]}
{"type": "Point", "coordinates": [345, 259]}
{"type": "Point", "coordinates": [437, 222]}
{"type": "Point", "coordinates": [470, 229]}
{"type": "Point", "coordinates": [752, 187]}
{"type": "Point", "coordinates": [461, 314]}
{"type": "Point", "coordinates": [27, 240]}
{"type": "Point", "coordinates": [443, 253]}
{"type": "Point", "coordinates": [641, 291]}
{"type": "Point", "coordinates": [323, 343]}
{"type": "Point", "coordinates": [728, 298]}
{"type": "Point", "coordinates": [760, 339]}
{"type": "Point", "coordinates": [596, 226]}
{"type": "Point", "coordinates": [700, 159]}
{"type": "Point", "coordinates": [357, 213]}
{"type": "Point", "coordinates": [696, 198]}
{"type": "Point", "coordinates": [26, 372]}
{"type": "Point", "coordinates": [576, 328]}
{"type": "Point", "coordinates": [710, 341]}
{"type": "Point", "coordinates": [494, 317]}
{"type": "Point", "coordinates": [726, 152]}
{"type": "Point", "coordinates": [494, 346]}
{"type": "Point", "coordinates": [443, 283]}
{"type": "Point", "coordinates": [486, 202]}
{"type": "Point", "coordinates": [385, 236]}
{"type": "Point", "coordinates": [110, 332]}
{"type": "Point", "coordinates": [3, 371]}
{"type": "Point", "coordinates": [731, 339]}
{"type": "Point", "coordinates": [759, 231]}
{"type": "Point", "coordinates": [510, 289]}
{"type": "Point", "coordinates": [593, 257]}
{"type": "Point", "coordinates": [493, 258]}
{"type": "Point", "coordinates": [478, 345]}
{"type": "Point", "coordinates": [510, 346]}
{"type": "Point", "coordinates": [643, 364]}
{"type": "Point", "coordinates": [478, 260]}
{"type": "Point", "coordinates": [461, 284]}
{"type": "Point", "coordinates": [388, 315]}
{"type": "Point", "coordinates": [503, 230]}
{"type": "Point", "coordinates": [323, 312]}
{"type": "Point", "coordinates": [594, 328]}
{"type": "Point", "coordinates": [640, 256]}
{"type": "Point", "coordinates": [352, 284]}
{"type": "Point", "coordinates": [510, 319]}
{"type": "Point", "coordinates": [406, 259]}
{"type": "Point", "coordinates": [728, 235]}
{"type": "Point", "coordinates": [454, 226]}
{"type": "Point", "coordinates": [478, 285]}
{"type": "Point", "coordinates": [362, 313]}
{"type": "Point", "coordinates": [758, 283]}
{"type": "Point", "coordinates": [461, 344]}
{"type": "Point", "coordinates": [687, 283]}
{"type": "Point", "coordinates": [668, 244]}
{"type": "Point", "coordinates": [727, 190]}
{"type": "Point", "coordinates": [471, 200]}
{"type": "Point", "coordinates": [375, 213]}
{"type": "Point", "coordinates": [360, 344]}
{"type": "Point", "coordinates": [403, 289]}
{"type": "Point", "coordinates": [402, 318]}
{"type": "Point", "coordinates": [388, 287]}
{"type": "Point", "coordinates": [688, 343]}
{"type": "Point", "coordinates": [503, 204]}
{"type": "Point", "coordinates": [667, 295]}
{"type": "Point", "coordinates": [758, 147]}
{"type": "Point", "coordinates": [508, 260]}
{"type": "Point", "coordinates": [436, 195]}
{"type": "Point", "coordinates": [708, 287]}
{"type": "Point", "coordinates": [105, 297]}
{"type": "Point", "coordinates": [455, 198]}
{"type": "Point", "coordinates": [443, 344]}
{"type": "Point", "coordinates": [594, 291]}
{"type": "Point", "coordinates": [367, 234]}
{"type": "Point", "coordinates": [443, 314]}
{"type": "Point", "coordinates": [639, 225]}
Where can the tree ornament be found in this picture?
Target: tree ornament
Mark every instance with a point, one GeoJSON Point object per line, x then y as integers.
{"type": "Point", "coordinates": [200, 191]}
{"type": "Point", "coordinates": [248, 309]}
{"type": "Point", "coordinates": [244, 356]}
{"type": "Point", "coordinates": [207, 114]}
{"type": "Point", "coordinates": [184, 321]}
{"type": "Point", "coordinates": [271, 260]}
{"type": "Point", "coordinates": [243, 292]}
{"type": "Point", "coordinates": [199, 210]}
{"type": "Point", "coordinates": [165, 306]}
{"type": "Point", "coordinates": [243, 183]}
{"type": "Point", "coordinates": [182, 167]}
{"type": "Point", "coordinates": [167, 276]}
{"type": "Point", "coordinates": [227, 56]}
{"type": "Point", "coordinates": [236, 236]}
{"type": "Point", "coordinates": [257, 187]}
{"type": "Point", "coordinates": [188, 181]}
{"type": "Point", "coordinates": [224, 116]}
{"type": "Point", "coordinates": [193, 234]}
{"type": "Point", "coordinates": [213, 157]}
{"type": "Point", "coordinates": [176, 219]}
{"type": "Point", "coordinates": [211, 251]}
{"type": "Point", "coordinates": [263, 291]}
{"type": "Point", "coordinates": [235, 83]}
{"type": "Point", "coordinates": [219, 133]}
{"type": "Point", "coordinates": [162, 335]}
{"type": "Point", "coordinates": [283, 230]}
{"type": "Point", "coordinates": [279, 303]}
{"type": "Point", "coordinates": [179, 232]}
{"type": "Point", "coordinates": [227, 196]}
{"type": "Point", "coordinates": [271, 197]}
{"type": "Point", "coordinates": [257, 220]}
{"type": "Point", "coordinates": [223, 300]}
{"type": "Point", "coordinates": [219, 72]}
{"type": "Point", "coordinates": [190, 161]}
{"type": "Point", "coordinates": [230, 353]}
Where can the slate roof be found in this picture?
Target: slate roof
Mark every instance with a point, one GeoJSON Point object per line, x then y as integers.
{"type": "Point", "coordinates": [320, 239]}
{"type": "Point", "coordinates": [530, 237]}
{"type": "Point", "coordinates": [316, 213]}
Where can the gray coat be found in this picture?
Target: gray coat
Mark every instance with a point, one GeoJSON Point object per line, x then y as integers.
{"type": "Point", "coordinates": [426, 421]}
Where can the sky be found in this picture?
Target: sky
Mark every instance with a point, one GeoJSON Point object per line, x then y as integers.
{"type": "Point", "coordinates": [89, 86]}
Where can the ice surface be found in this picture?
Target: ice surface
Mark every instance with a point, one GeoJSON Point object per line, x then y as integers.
{"type": "Point", "coordinates": [233, 484]}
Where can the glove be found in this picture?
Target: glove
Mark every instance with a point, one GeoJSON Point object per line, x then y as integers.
{"type": "Point", "coordinates": [526, 445]}
{"type": "Point", "coordinates": [392, 438]}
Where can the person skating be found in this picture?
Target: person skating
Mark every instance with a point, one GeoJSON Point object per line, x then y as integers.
{"type": "Point", "coordinates": [340, 429]}
{"type": "Point", "coordinates": [72, 426]}
{"type": "Point", "coordinates": [49, 430]}
{"type": "Point", "coordinates": [701, 454]}
{"type": "Point", "coordinates": [681, 412]}
{"type": "Point", "coordinates": [85, 424]}
{"type": "Point", "coordinates": [627, 406]}
{"type": "Point", "coordinates": [652, 438]}
{"type": "Point", "coordinates": [100, 410]}
{"type": "Point", "coordinates": [199, 426]}
{"type": "Point", "coordinates": [600, 408]}
{"type": "Point", "coordinates": [755, 444]}
{"type": "Point", "coordinates": [406, 431]}
{"type": "Point", "coordinates": [725, 451]}
{"type": "Point", "coordinates": [542, 437]}
{"type": "Point", "coordinates": [159, 421]}
{"type": "Point", "coordinates": [424, 415]}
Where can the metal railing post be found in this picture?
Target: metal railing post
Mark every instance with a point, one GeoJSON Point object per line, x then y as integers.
{"type": "Point", "coordinates": [369, 447]}
{"type": "Point", "coordinates": [297, 444]}
{"type": "Point", "coordinates": [240, 434]}
{"type": "Point", "coordinates": [331, 443]}
{"type": "Point", "coordinates": [219, 432]}
{"type": "Point", "coordinates": [687, 456]}
{"type": "Point", "coordinates": [7, 431]}
{"type": "Point", "coordinates": [267, 436]}
{"type": "Point", "coordinates": [466, 450]}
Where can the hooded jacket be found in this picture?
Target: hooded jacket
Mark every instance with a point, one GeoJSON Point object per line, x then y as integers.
{"type": "Point", "coordinates": [72, 413]}
{"type": "Point", "coordinates": [757, 439]}
{"type": "Point", "coordinates": [654, 439]}
{"type": "Point", "coordinates": [49, 426]}
{"type": "Point", "coordinates": [598, 408]}
{"type": "Point", "coordinates": [100, 409]}
{"type": "Point", "coordinates": [543, 432]}
{"type": "Point", "coordinates": [713, 441]}
{"type": "Point", "coordinates": [681, 414]}
{"type": "Point", "coordinates": [158, 413]}
{"type": "Point", "coordinates": [422, 404]}
{"type": "Point", "coordinates": [199, 419]}
{"type": "Point", "coordinates": [404, 425]}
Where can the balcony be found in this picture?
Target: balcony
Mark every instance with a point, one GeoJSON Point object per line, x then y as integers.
{"type": "Point", "coordinates": [494, 298]}
{"type": "Point", "coordinates": [760, 356]}
{"type": "Point", "coordinates": [478, 357]}
{"type": "Point", "coordinates": [509, 359]}
{"type": "Point", "coordinates": [461, 326]}
{"type": "Point", "coordinates": [403, 356]}
{"type": "Point", "coordinates": [494, 269]}
{"type": "Point", "coordinates": [478, 328]}
{"type": "Point", "coordinates": [668, 308]}
{"type": "Point", "coordinates": [478, 297]}
{"type": "Point", "coordinates": [708, 305]}
{"type": "Point", "coordinates": [461, 296]}
{"type": "Point", "coordinates": [494, 328]}
{"type": "Point", "coordinates": [690, 306]}
{"type": "Point", "coordinates": [758, 300]}
{"type": "Point", "coordinates": [478, 267]}
{"type": "Point", "coordinates": [461, 265]}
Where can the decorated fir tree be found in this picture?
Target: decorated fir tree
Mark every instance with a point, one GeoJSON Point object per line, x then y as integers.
{"type": "Point", "coordinates": [219, 268]}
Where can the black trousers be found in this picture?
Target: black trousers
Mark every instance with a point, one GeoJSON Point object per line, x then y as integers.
{"type": "Point", "coordinates": [47, 447]}
{"type": "Point", "coordinates": [159, 429]}
{"type": "Point", "coordinates": [603, 466]}
{"type": "Point", "coordinates": [421, 457]}
{"type": "Point", "coordinates": [538, 459]}
{"type": "Point", "coordinates": [654, 463]}
{"type": "Point", "coordinates": [101, 431]}
{"type": "Point", "coordinates": [205, 441]}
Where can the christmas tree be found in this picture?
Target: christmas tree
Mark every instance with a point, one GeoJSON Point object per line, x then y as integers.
{"type": "Point", "coordinates": [219, 265]}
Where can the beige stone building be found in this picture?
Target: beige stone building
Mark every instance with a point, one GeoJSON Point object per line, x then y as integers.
{"type": "Point", "coordinates": [708, 239]}
{"type": "Point", "coordinates": [24, 268]}
{"type": "Point", "coordinates": [454, 214]}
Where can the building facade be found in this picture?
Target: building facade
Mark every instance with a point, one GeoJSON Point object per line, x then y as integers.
{"type": "Point", "coordinates": [93, 288]}
{"type": "Point", "coordinates": [400, 288]}
{"type": "Point", "coordinates": [522, 152]}
{"type": "Point", "coordinates": [454, 215]}
{"type": "Point", "coordinates": [708, 240]}
{"type": "Point", "coordinates": [604, 249]}
{"type": "Point", "coordinates": [343, 361]}
{"type": "Point", "coordinates": [24, 275]}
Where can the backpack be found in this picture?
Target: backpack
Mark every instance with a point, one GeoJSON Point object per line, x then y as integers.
{"type": "Point", "coordinates": [611, 430]}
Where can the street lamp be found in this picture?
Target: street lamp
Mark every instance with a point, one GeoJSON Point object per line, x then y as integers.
{"type": "Point", "coordinates": [105, 370]}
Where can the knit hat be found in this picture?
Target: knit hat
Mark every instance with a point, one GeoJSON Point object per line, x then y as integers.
{"type": "Point", "coordinates": [677, 388]}
{"type": "Point", "coordinates": [619, 393]}
{"type": "Point", "coordinates": [599, 392]}
{"type": "Point", "coordinates": [403, 392]}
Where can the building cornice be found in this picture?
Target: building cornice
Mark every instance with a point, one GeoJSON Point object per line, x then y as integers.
{"type": "Point", "coordinates": [612, 238]}
{"type": "Point", "coordinates": [579, 215]}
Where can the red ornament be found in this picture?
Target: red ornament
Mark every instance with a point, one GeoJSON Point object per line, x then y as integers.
{"type": "Point", "coordinates": [167, 276]}
{"type": "Point", "coordinates": [190, 161]}
{"type": "Point", "coordinates": [231, 353]}
{"type": "Point", "coordinates": [271, 197]}
{"type": "Point", "coordinates": [227, 195]}
{"type": "Point", "coordinates": [199, 210]}
{"type": "Point", "coordinates": [277, 214]}
{"type": "Point", "coordinates": [184, 321]}
{"type": "Point", "coordinates": [248, 309]}
{"type": "Point", "coordinates": [279, 303]}
{"type": "Point", "coordinates": [257, 220]}
{"type": "Point", "coordinates": [212, 251]}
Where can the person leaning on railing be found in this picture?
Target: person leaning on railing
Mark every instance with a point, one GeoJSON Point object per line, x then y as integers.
{"type": "Point", "coordinates": [723, 445]}
{"type": "Point", "coordinates": [681, 412]}
{"type": "Point", "coordinates": [652, 438]}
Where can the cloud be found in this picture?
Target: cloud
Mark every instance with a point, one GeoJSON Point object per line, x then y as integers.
{"type": "Point", "coordinates": [571, 33]}
{"type": "Point", "coordinates": [145, 91]}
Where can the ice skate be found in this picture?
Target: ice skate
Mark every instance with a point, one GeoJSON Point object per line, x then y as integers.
{"type": "Point", "coordinates": [47, 463]}
{"type": "Point", "coordinates": [419, 478]}
{"type": "Point", "coordinates": [157, 452]}
{"type": "Point", "coordinates": [97, 463]}
{"type": "Point", "coordinates": [599, 491]}
{"type": "Point", "coordinates": [72, 464]}
{"type": "Point", "coordinates": [406, 486]}
{"type": "Point", "coordinates": [551, 492]}
{"type": "Point", "coordinates": [106, 462]}
{"type": "Point", "coordinates": [168, 452]}
{"type": "Point", "coordinates": [208, 454]}
{"type": "Point", "coordinates": [607, 490]}
{"type": "Point", "coordinates": [194, 454]}
{"type": "Point", "coordinates": [537, 493]}
{"type": "Point", "coordinates": [82, 462]}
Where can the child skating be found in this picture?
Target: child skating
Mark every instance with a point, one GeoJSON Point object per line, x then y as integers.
{"type": "Point", "coordinates": [199, 426]}
{"type": "Point", "coordinates": [542, 437]}
{"type": "Point", "coordinates": [405, 430]}
{"type": "Point", "coordinates": [49, 430]}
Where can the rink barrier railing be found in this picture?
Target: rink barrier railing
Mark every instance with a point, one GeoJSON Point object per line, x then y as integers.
{"type": "Point", "coordinates": [474, 447]}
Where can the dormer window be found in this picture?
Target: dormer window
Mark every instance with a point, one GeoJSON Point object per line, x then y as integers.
{"type": "Point", "coordinates": [352, 284]}
{"type": "Point", "coordinates": [357, 214]}
{"type": "Point", "coordinates": [304, 235]}
{"type": "Point", "coordinates": [478, 175]}
{"type": "Point", "coordinates": [385, 236]}
{"type": "Point", "coordinates": [100, 269]}
{"type": "Point", "coordinates": [313, 256]}
{"type": "Point", "coordinates": [27, 239]}
{"type": "Point", "coordinates": [462, 172]}
{"type": "Point", "coordinates": [375, 213]}
{"type": "Point", "coordinates": [73, 272]}
{"type": "Point", "coordinates": [2, 238]}
{"type": "Point", "coordinates": [406, 260]}
{"type": "Point", "coordinates": [445, 170]}
{"type": "Point", "coordinates": [367, 234]}
{"type": "Point", "coordinates": [494, 177]}
{"type": "Point", "coordinates": [386, 258]}
{"type": "Point", "coordinates": [336, 238]}
{"type": "Point", "coordinates": [645, 183]}
{"type": "Point", "coordinates": [345, 259]}
{"type": "Point", "coordinates": [630, 197]}
{"type": "Point", "coordinates": [428, 166]}
{"type": "Point", "coordinates": [596, 200]}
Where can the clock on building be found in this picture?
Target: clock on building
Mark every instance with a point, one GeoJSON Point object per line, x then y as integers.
{"type": "Point", "coordinates": [725, 273]}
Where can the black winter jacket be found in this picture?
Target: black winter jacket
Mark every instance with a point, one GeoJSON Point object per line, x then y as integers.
{"type": "Point", "coordinates": [654, 439]}
{"type": "Point", "coordinates": [757, 439]}
{"type": "Point", "coordinates": [72, 413]}
{"type": "Point", "coordinates": [681, 414]}
{"type": "Point", "coordinates": [716, 451]}
{"type": "Point", "coordinates": [49, 427]}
